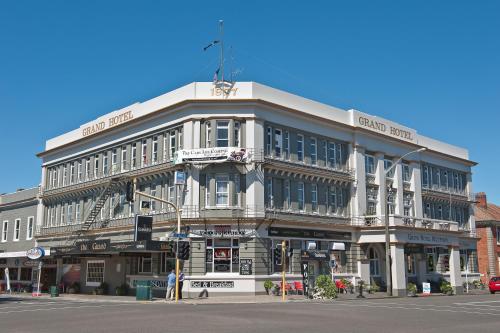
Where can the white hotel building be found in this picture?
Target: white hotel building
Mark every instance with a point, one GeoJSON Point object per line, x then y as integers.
{"type": "Point", "coordinates": [312, 174]}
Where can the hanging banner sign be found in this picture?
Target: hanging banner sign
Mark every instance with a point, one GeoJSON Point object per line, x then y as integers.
{"type": "Point", "coordinates": [143, 228]}
{"type": "Point", "coordinates": [212, 155]}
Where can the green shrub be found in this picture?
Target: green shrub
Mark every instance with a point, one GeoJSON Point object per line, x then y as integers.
{"type": "Point", "coordinates": [374, 288]}
{"type": "Point", "coordinates": [412, 288]}
{"type": "Point", "coordinates": [268, 284]}
{"type": "Point", "coordinates": [325, 288]}
{"type": "Point", "coordinates": [446, 287]}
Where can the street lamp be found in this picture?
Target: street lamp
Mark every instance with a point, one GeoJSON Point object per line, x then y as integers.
{"type": "Point", "coordinates": [388, 274]}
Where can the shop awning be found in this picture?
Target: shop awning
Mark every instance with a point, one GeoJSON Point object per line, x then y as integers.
{"type": "Point", "coordinates": [104, 246]}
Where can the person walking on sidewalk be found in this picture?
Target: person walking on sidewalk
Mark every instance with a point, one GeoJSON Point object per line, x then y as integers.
{"type": "Point", "coordinates": [170, 286]}
{"type": "Point", "coordinates": [181, 283]}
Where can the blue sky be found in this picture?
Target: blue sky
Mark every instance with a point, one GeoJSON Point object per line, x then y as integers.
{"type": "Point", "coordinates": [430, 65]}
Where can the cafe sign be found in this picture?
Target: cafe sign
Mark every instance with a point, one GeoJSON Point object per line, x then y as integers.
{"type": "Point", "coordinates": [223, 231]}
{"type": "Point", "coordinates": [35, 253]}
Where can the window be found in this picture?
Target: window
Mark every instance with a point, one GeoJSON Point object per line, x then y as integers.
{"type": "Point", "coordinates": [95, 272]}
{"type": "Point", "coordinates": [26, 274]}
{"type": "Point", "coordinates": [154, 150]}
{"type": "Point", "coordinates": [388, 165]}
{"type": "Point", "coordinates": [287, 200]}
{"type": "Point", "coordinates": [62, 215]}
{"type": "Point", "coordinates": [112, 204]}
{"type": "Point", "coordinates": [52, 213]}
{"type": "Point", "coordinates": [374, 262]}
{"type": "Point", "coordinates": [237, 190]}
{"type": "Point", "coordinates": [208, 134]}
{"type": "Point", "coordinates": [278, 143]}
{"type": "Point", "coordinates": [314, 151]}
{"type": "Point", "coordinates": [222, 190]}
{"type": "Point", "coordinates": [369, 164]}
{"type": "Point", "coordinates": [114, 160]}
{"type": "Point", "coordinates": [54, 178]}
{"type": "Point", "coordinates": [145, 264]}
{"type": "Point", "coordinates": [406, 172]}
{"type": "Point", "coordinates": [79, 171]}
{"type": "Point", "coordinates": [332, 200]}
{"type": "Point", "coordinates": [65, 175]}
{"type": "Point", "coordinates": [314, 198]}
{"type": "Point", "coordinates": [286, 146]}
{"type": "Point", "coordinates": [96, 166]}
{"type": "Point", "coordinates": [180, 140]}
{"type": "Point", "coordinates": [431, 260]}
{"type": "Point", "coordinates": [498, 235]}
{"type": "Point", "coordinates": [300, 196]}
{"type": "Point", "coordinates": [222, 255]}
{"type": "Point", "coordinates": [167, 262]}
{"type": "Point", "coordinates": [269, 140]}
{"type": "Point", "coordinates": [153, 202]}
{"type": "Point", "coordinates": [331, 155]}
{"type": "Point", "coordinates": [5, 229]}
{"type": "Point", "coordinates": [105, 164]}
{"type": "Point", "coordinates": [425, 176]}
{"type": "Point", "coordinates": [172, 144]}
{"type": "Point", "coordinates": [222, 133]}
{"type": "Point", "coordinates": [207, 190]}
{"type": "Point", "coordinates": [391, 201]}
{"type": "Point", "coordinates": [144, 153]}
{"type": "Point", "coordinates": [300, 147]}
{"type": "Point", "coordinates": [133, 154]}
{"type": "Point", "coordinates": [77, 212]}
{"type": "Point", "coordinates": [237, 133]}
{"type": "Point", "coordinates": [17, 228]}
{"type": "Point", "coordinates": [269, 190]}
{"type": "Point", "coordinates": [411, 265]}
{"type": "Point", "coordinates": [30, 226]}
{"type": "Point", "coordinates": [124, 158]}
{"type": "Point", "coordinates": [371, 208]}
{"type": "Point", "coordinates": [72, 173]}
{"type": "Point", "coordinates": [87, 169]}
{"type": "Point", "coordinates": [70, 213]}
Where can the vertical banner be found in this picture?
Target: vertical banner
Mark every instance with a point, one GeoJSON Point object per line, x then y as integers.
{"type": "Point", "coordinates": [143, 228]}
{"type": "Point", "coordinates": [304, 268]}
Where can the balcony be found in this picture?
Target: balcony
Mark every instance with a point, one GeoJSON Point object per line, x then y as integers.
{"type": "Point", "coordinates": [407, 221]}
{"type": "Point", "coordinates": [295, 215]}
{"type": "Point", "coordinates": [447, 193]}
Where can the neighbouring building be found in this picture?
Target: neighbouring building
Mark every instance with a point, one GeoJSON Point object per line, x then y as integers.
{"type": "Point", "coordinates": [488, 229]}
{"type": "Point", "coordinates": [262, 166]}
{"type": "Point", "coordinates": [18, 218]}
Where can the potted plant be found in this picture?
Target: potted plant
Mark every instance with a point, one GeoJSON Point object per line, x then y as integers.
{"type": "Point", "coordinates": [348, 284]}
{"type": "Point", "coordinates": [268, 285]}
{"type": "Point", "coordinates": [102, 289]}
{"type": "Point", "coordinates": [446, 288]}
{"type": "Point", "coordinates": [276, 290]}
{"type": "Point", "coordinates": [74, 288]}
{"type": "Point", "coordinates": [412, 289]}
{"type": "Point", "coordinates": [374, 288]}
{"type": "Point", "coordinates": [121, 290]}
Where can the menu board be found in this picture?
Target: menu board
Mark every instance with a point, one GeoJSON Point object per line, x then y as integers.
{"type": "Point", "coordinates": [246, 266]}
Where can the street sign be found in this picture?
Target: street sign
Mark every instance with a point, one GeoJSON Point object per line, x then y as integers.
{"type": "Point", "coordinates": [180, 177]}
{"type": "Point", "coordinates": [178, 235]}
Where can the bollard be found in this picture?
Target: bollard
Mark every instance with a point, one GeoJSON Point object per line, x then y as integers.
{"type": "Point", "coordinates": [361, 284]}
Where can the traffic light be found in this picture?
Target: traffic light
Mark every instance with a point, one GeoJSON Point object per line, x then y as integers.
{"type": "Point", "coordinates": [129, 192]}
{"type": "Point", "coordinates": [278, 259]}
{"type": "Point", "coordinates": [183, 250]}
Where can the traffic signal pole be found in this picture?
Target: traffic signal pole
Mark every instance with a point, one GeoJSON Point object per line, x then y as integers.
{"type": "Point", "coordinates": [177, 261]}
{"type": "Point", "coordinates": [283, 261]}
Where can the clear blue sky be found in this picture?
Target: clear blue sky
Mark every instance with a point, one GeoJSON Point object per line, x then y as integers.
{"type": "Point", "coordinates": [431, 65]}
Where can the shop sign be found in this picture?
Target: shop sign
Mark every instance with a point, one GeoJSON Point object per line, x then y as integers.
{"type": "Point", "coordinates": [308, 233]}
{"type": "Point", "coordinates": [35, 253]}
{"type": "Point", "coordinates": [315, 255]}
{"type": "Point", "coordinates": [304, 269]}
{"type": "Point", "coordinates": [222, 231]}
{"type": "Point", "coordinates": [426, 288]}
{"type": "Point", "coordinates": [31, 263]}
{"type": "Point", "coordinates": [427, 239]}
{"type": "Point", "coordinates": [94, 246]}
{"type": "Point", "coordinates": [180, 178]}
{"type": "Point", "coordinates": [246, 266]}
{"type": "Point", "coordinates": [143, 228]}
{"type": "Point", "coordinates": [212, 155]}
{"type": "Point", "coordinates": [212, 284]}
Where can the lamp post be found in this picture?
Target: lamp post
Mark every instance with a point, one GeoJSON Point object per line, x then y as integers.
{"type": "Point", "coordinates": [388, 273]}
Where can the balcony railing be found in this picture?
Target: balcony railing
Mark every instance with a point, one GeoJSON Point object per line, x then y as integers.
{"type": "Point", "coordinates": [447, 192]}
{"type": "Point", "coordinates": [336, 168]}
{"type": "Point", "coordinates": [407, 221]}
{"type": "Point", "coordinates": [338, 217]}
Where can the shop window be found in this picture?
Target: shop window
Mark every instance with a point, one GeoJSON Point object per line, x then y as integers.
{"type": "Point", "coordinates": [95, 273]}
{"type": "Point", "coordinates": [411, 265]}
{"type": "Point", "coordinates": [374, 262]}
{"type": "Point", "coordinates": [167, 262]}
{"type": "Point", "coordinates": [13, 273]}
{"type": "Point", "coordinates": [145, 264]}
{"type": "Point", "coordinates": [222, 255]}
{"type": "Point", "coordinates": [431, 261]}
{"type": "Point", "coordinates": [25, 274]}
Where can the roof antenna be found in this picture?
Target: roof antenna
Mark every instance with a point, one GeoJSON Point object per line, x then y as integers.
{"type": "Point", "coordinates": [220, 41]}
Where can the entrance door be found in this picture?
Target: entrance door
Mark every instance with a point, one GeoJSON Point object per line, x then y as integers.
{"type": "Point", "coordinates": [48, 278]}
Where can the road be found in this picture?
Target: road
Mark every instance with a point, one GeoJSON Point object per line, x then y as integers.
{"type": "Point", "coordinates": [432, 314]}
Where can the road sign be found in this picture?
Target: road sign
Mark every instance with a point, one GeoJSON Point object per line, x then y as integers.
{"type": "Point", "coordinates": [178, 235]}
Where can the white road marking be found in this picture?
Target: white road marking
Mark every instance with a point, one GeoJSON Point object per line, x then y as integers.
{"type": "Point", "coordinates": [63, 308]}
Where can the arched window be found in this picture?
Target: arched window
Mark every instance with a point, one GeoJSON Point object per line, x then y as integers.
{"type": "Point", "coordinates": [374, 262]}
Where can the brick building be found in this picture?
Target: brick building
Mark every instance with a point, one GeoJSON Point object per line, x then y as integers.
{"type": "Point", "coordinates": [488, 229]}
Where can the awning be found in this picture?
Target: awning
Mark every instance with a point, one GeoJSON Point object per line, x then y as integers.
{"type": "Point", "coordinates": [104, 246]}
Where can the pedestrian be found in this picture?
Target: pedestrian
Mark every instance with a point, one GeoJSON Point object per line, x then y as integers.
{"type": "Point", "coordinates": [181, 283]}
{"type": "Point", "coordinates": [170, 286]}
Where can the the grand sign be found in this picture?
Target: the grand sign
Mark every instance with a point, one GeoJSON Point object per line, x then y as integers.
{"type": "Point", "coordinates": [108, 123]}
{"type": "Point", "coordinates": [383, 126]}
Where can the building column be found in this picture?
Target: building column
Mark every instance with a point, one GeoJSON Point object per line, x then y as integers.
{"type": "Point", "coordinates": [255, 176]}
{"type": "Point", "coordinates": [416, 187]}
{"type": "Point", "coordinates": [398, 185]}
{"type": "Point", "coordinates": [398, 270]}
{"type": "Point", "coordinates": [471, 223]}
{"type": "Point", "coordinates": [359, 191]}
{"type": "Point", "coordinates": [382, 188]}
{"type": "Point", "coordinates": [455, 273]}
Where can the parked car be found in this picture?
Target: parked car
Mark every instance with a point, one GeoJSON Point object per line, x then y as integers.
{"type": "Point", "coordinates": [494, 284]}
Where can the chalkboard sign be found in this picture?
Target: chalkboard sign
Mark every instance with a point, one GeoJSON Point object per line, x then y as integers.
{"type": "Point", "coordinates": [246, 266]}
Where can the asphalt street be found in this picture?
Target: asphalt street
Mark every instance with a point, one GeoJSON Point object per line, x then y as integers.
{"type": "Point", "coordinates": [431, 314]}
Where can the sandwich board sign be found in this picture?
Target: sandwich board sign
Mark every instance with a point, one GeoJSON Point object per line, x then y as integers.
{"type": "Point", "coordinates": [426, 288]}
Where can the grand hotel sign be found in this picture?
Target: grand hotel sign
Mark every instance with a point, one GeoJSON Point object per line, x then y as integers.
{"type": "Point", "coordinates": [110, 122]}
{"type": "Point", "coordinates": [383, 126]}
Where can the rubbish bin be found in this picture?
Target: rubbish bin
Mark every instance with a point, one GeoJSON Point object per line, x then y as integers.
{"type": "Point", "coordinates": [54, 291]}
{"type": "Point", "coordinates": [143, 290]}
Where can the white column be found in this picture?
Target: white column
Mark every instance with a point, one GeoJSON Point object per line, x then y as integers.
{"type": "Point", "coordinates": [359, 196]}
{"type": "Point", "coordinates": [187, 135]}
{"type": "Point", "coordinates": [398, 185]}
{"type": "Point", "coordinates": [398, 270]}
{"type": "Point", "coordinates": [416, 187]}
{"type": "Point", "coordinates": [382, 188]}
{"type": "Point", "coordinates": [255, 176]}
{"type": "Point", "coordinates": [196, 134]}
{"type": "Point", "coordinates": [472, 218]}
{"type": "Point", "coordinates": [455, 273]}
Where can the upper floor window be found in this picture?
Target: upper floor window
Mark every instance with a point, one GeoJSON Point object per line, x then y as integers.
{"type": "Point", "coordinates": [5, 229]}
{"type": "Point", "coordinates": [314, 151]}
{"type": "Point", "coordinates": [498, 235]}
{"type": "Point", "coordinates": [208, 134]}
{"type": "Point", "coordinates": [331, 155]}
{"type": "Point", "coordinates": [124, 158]}
{"type": "Point", "coordinates": [221, 190]}
{"type": "Point", "coordinates": [77, 212]}
{"type": "Point", "coordinates": [72, 173]}
{"type": "Point", "coordinates": [269, 189]}
{"type": "Point", "coordinates": [70, 212]}
{"type": "Point", "coordinates": [406, 172]}
{"type": "Point", "coordinates": [87, 169]}
{"type": "Point", "coordinates": [287, 201]}
{"type": "Point", "coordinates": [286, 145]}
{"type": "Point", "coordinates": [300, 147]}
{"type": "Point", "coordinates": [388, 167]}
{"type": "Point", "coordinates": [300, 196]}
{"type": "Point", "coordinates": [425, 176]}
{"type": "Point", "coordinates": [278, 142]}
{"type": "Point", "coordinates": [96, 166]}
{"type": "Point", "coordinates": [79, 171]}
{"type": "Point", "coordinates": [314, 197]}
{"type": "Point", "coordinates": [222, 133]}
{"type": "Point", "coordinates": [369, 164]}
{"type": "Point", "coordinates": [332, 200]}
{"type": "Point", "coordinates": [154, 150]}
{"type": "Point", "coordinates": [237, 133]}
{"type": "Point", "coordinates": [133, 163]}
{"type": "Point", "coordinates": [269, 139]}
{"type": "Point", "coordinates": [29, 227]}
{"type": "Point", "coordinates": [65, 175]}
{"type": "Point", "coordinates": [172, 144]}
{"type": "Point", "coordinates": [17, 229]}
{"type": "Point", "coordinates": [144, 153]}
{"type": "Point", "coordinates": [62, 215]}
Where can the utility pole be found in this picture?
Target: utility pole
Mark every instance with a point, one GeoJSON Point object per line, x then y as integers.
{"type": "Point", "coordinates": [283, 261]}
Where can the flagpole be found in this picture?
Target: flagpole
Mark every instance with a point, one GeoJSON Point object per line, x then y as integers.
{"type": "Point", "coordinates": [221, 22]}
